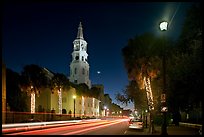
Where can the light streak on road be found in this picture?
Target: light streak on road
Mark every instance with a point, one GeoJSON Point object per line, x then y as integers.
{"type": "Point", "coordinates": [9, 128]}
{"type": "Point", "coordinates": [72, 128]}
{"type": "Point", "coordinates": [80, 132]}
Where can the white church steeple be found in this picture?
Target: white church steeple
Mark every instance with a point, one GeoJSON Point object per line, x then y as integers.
{"type": "Point", "coordinates": [80, 32]}
{"type": "Point", "coordinates": [79, 67]}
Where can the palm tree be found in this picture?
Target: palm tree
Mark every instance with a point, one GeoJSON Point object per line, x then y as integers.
{"type": "Point", "coordinates": [58, 83]}
{"type": "Point", "coordinates": [15, 98]}
{"type": "Point", "coordinates": [142, 59]}
{"type": "Point", "coordinates": [32, 78]}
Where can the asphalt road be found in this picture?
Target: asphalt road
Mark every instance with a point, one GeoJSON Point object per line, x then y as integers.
{"type": "Point", "coordinates": [101, 127]}
{"type": "Point", "coordinates": [105, 127]}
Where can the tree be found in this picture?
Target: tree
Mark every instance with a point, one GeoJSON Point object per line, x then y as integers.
{"type": "Point", "coordinates": [142, 59]}
{"type": "Point", "coordinates": [58, 83]}
{"type": "Point", "coordinates": [15, 98]}
{"type": "Point", "coordinates": [192, 28]}
{"type": "Point", "coordinates": [32, 78]}
{"type": "Point", "coordinates": [134, 94]}
{"type": "Point", "coordinates": [185, 67]}
{"type": "Point", "coordinates": [95, 92]}
{"type": "Point", "coordinates": [143, 62]}
{"type": "Point", "coordinates": [82, 90]}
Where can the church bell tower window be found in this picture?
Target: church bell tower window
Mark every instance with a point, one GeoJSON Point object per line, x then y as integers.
{"type": "Point", "coordinates": [77, 58]}
{"type": "Point", "coordinates": [75, 70]}
{"type": "Point", "coordinates": [83, 71]}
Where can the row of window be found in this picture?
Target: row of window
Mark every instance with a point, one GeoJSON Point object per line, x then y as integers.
{"type": "Point", "coordinates": [83, 71]}
{"type": "Point", "coordinates": [77, 48]}
{"type": "Point", "coordinates": [89, 105]}
{"type": "Point", "coordinates": [77, 58]}
{"type": "Point", "coordinates": [64, 100]}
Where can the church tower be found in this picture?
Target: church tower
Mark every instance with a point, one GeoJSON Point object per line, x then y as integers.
{"type": "Point", "coordinates": [79, 67]}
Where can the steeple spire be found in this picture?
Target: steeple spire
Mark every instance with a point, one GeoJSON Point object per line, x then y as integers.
{"type": "Point", "coordinates": [80, 32]}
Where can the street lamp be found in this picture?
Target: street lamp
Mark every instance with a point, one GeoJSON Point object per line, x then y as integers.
{"type": "Point", "coordinates": [163, 27]}
{"type": "Point", "coordinates": [107, 112]}
{"type": "Point", "coordinates": [74, 97]}
{"type": "Point", "coordinates": [105, 109]}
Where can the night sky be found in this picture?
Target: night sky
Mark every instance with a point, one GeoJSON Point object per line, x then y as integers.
{"type": "Point", "coordinates": [42, 33]}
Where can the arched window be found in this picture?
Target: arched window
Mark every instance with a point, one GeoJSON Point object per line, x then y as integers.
{"type": "Point", "coordinates": [83, 71]}
{"type": "Point", "coordinates": [77, 58]}
{"type": "Point", "coordinates": [75, 70]}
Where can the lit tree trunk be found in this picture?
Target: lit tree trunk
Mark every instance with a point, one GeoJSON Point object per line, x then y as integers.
{"type": "Point", "coordinates": [150, 102]}
{"type": "Point", "coordinates": [33, 102]}
{"type": "Point", "coordinates": [60, 101]}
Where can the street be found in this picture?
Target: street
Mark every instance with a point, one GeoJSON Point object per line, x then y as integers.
{"type": "Point", "coordinates": [100, 127]}
{"type": "Point", "coordinates": [104, 127]}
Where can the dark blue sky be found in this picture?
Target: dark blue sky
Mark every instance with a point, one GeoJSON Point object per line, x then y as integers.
{"type": "Point", "coordinates": [42, 33]}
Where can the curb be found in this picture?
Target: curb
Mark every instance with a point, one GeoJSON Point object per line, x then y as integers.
{"type": "Point", "coordinates": [190, 125]}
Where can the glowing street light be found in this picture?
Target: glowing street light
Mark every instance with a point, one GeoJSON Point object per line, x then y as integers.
{"type": "Point", "coordinates": [164, 27]}
{"type": "Point", "coordinates": [74, 97]}
{"type": "Point", "coordinates": [105, 108]}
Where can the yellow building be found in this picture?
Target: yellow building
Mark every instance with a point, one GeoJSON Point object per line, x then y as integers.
{"type": "Point", "coordinates": [47, 101]}
{"type": "Point", "coordinates": [84, 106]}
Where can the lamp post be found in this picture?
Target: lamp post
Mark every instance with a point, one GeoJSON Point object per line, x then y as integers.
{"type": "Point", "coordinates": [105, 109]}
{"type": "Point", "coordinates": [163, 27]}
{"type": "Point", "coordinates": [146, 118]}
{"type": "Point", "coordinates": [74, 97]}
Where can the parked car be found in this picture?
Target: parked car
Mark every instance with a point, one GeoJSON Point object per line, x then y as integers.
{"type": "Point", "coordinates": [136, 124]}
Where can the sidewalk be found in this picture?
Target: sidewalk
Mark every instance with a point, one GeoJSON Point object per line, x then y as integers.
{"type": "Point", "coordinates": [174, 130]}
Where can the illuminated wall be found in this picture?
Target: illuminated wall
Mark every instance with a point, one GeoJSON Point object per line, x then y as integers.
{"type": "Point", "coordinates": [43, 100]}
{"type": "Point", "coordinates": [68, 101]}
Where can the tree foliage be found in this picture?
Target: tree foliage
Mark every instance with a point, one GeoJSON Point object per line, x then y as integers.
{"type": "Point", "coordinates": [192, 29]}
{"type": "Point", "coordinates": [83, 90]}
{"type": "Point", "coordinates": [95, 92]}
{"type": "Point", "coordinates": [185, 66]}
{"type": "Point", "coordinates": [15, 98]}
{"type": "Point", "coordinates": [142, 58]}
{"type": "Point", "coordinates": [32, 78]}
{"type": "Point", "coordinates": [59, 81]}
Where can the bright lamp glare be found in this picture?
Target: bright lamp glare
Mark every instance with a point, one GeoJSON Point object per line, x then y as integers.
{"type": "Point", "coordinates": [163, 26]}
